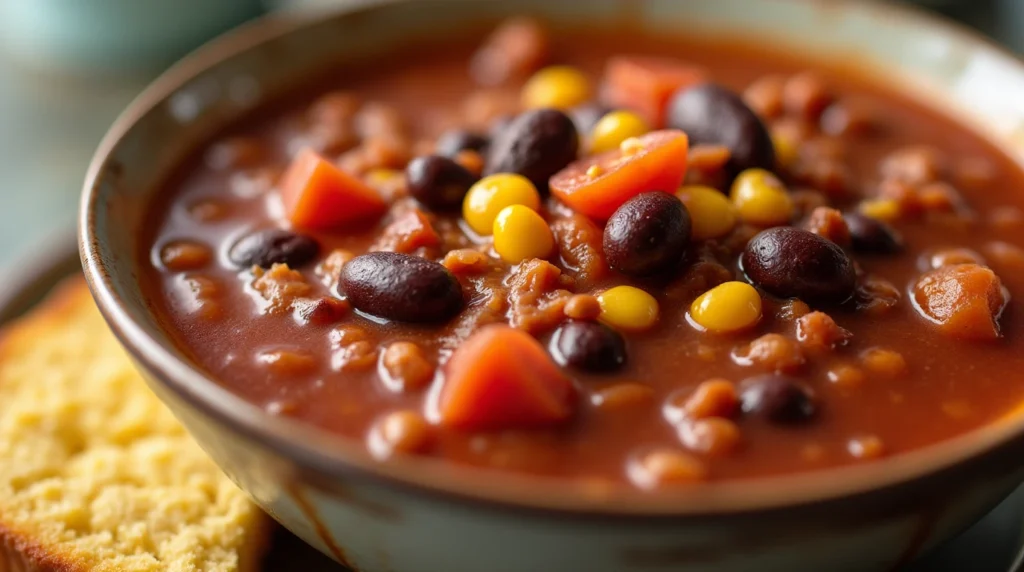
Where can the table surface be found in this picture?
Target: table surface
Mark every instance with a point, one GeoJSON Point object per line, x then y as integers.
{"type": "Point", "coordinates": [50, 127]}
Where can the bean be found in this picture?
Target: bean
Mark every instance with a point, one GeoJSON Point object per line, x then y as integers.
{"type": "Point", "coordinates": [451, 143]}
{"type": "Point", "coordinates": [793, 263]}
{"type": "Point", "coordinates": [871, 235]}
{"type": "Point", "coordinates": [536, 144]}
{"type": "Point", "coordinates": [589, 346]}
{"type": "Point", "coordinates": [438, 182]}
{"type": "Point", "coordinates": [586, 116]}
{"type": "Point", "coordinates": [273, 246]}
{"type": "Point", "coordinates": [713, 115]}
{"type": "Point", "coordinates": [712, 436]}
{"type": "Point", "coordinates": [498, 126]}
{"type": "Point", "coordinates": [400, 287]}
{"type": "Point", "coordinates": [647, 234]}
{"type": "Point", "coordinates": [400, 432]}
{"type": "Point", "coordinates": [182, 255]}
{"type": "Point", "coordinates": [777, 398]}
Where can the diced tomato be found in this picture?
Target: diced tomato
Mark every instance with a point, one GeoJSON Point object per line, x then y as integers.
{"type": "Point", "coordinates": [501, 378]}
{"type": "Point", "coordinates": [319, 195]}
{"type": "Point", "coordinates": [645, 84]}
{"type": "Point", "coordinates": [409, 231]}
{"type": "Point", "coordinates": [597, 185]}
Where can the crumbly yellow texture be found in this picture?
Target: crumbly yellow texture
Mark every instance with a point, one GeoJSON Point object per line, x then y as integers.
{"type": "Point", "coordinates": [95, 473]}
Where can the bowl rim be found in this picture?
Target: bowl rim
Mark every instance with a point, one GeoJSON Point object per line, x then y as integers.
{"type": "Point", "coordinates": [333, 458]}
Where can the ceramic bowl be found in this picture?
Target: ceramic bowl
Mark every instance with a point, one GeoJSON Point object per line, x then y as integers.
{"type": "Point", "coordinates": [412, 515]}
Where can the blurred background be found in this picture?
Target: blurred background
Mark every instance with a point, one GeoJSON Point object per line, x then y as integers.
{"type": "Point", "coordinates": [68, 67]}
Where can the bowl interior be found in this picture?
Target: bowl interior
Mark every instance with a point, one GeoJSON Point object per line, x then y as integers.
{"type": "Point", "coordinates": [228, 78]}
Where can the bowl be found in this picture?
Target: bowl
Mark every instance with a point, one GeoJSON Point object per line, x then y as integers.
{"type": "Point", "coordinates": [409, 514]}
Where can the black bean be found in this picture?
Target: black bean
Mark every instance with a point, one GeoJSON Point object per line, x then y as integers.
{"type": "Point", "coordinates": [589, 346]}
{"type": "Point", "coordinates": [647, 234]}
{"type": "Point", "coordinates": [586, 116]}
{"type": "Point", "coordinates": [537, 144]}
{"type": "Point", "coordinates": [794, 263]}
{"type": "Point", "coordinates": [400, 287]}
{"type": "Point", "coordinates": [438, 182]}
{"type": "Point", "coordinates": [777, 398]}
{"type": "Point", "coordinates": [498, 125]}
{"type": "Point", "coordinates": [273, 246]}
{"type": "Point", "coordinates": [714, 115]}
{"type": "Point", "coordinates": [871, 235]}
{"type": "Point", "coordinates": [451, 143]}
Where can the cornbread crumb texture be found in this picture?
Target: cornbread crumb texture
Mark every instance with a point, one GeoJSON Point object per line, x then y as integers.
{"type": "Point", "coordinates": [95, 473]}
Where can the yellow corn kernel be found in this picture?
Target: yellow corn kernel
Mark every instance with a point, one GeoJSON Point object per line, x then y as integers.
{"type": "Point", "coordinates": [520, 234]}
{"type": "Point", "coordinates": [728, 307]}
{"type": "Point", "coordinates": [761, 199]}
{"type": "Point", "coordinates": [631, 146]}
{"type": "Point", "coordinates": [611, 130]}
{"type": "Point", "coordinates": [711, 213]}
{"type": "Point", "coordinates": [882, 209]}
{"type": "Point", "coordinates": [382, 176]}
{"type": "Point", "coordinates": [628, 308]}
{"type": "Point", "coordinates": [786, 151]}
{"type": "Point", "coordinates": [560, 87]}
{"type": "Point", "coordinates": [489, 195]}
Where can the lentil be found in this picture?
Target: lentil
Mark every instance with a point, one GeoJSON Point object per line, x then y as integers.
{"type": "Point", "coordinates": [399, 432]}
{"type": "Point", "coordinates": [183, 255]}
{"type": "Point", "coordinates": [667, 466]}
{"type": "Point", "coordinates": [866, 447]}
{"type": "Point", "coordinates": [710, 436]}
{"type": "Point", "coordinates": [622, 396]}
{"type": "Point", "coordinates": [582, 307]}
{"type": "Point", "coordinates": [884, 362]}
{"type": "Point", "coordinates": [406, 368]}
{"type": "Point", "coordinates": [712, 398]}
{"type": "Point", "coordinates": [771, 352]}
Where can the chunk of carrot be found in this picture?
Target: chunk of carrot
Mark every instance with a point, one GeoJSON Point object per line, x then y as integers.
{"type": "Point", "coordinates": [645, 84]}
{"type": "Point", "coordinates": [501, 378]}
{"type": "Point", "coordinates": [318, 195]}
{"type": "Point", "coordinates": [964, 301]}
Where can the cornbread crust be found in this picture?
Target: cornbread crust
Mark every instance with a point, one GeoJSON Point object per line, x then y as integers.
{"type": "Point", "coordinates": [95, 473]}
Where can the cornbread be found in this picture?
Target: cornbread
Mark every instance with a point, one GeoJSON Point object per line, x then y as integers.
{"type": "Point", "coordinates": [95, 473]}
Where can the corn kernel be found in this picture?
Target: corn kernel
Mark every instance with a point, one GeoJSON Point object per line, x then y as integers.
{"type": "Point", "coordinates": [882, 209]}
{"type": "Point", "coordinates": [489, 195]}
{"type": "Point", "coordinates": [560, 87]}
{"type": "Point", "coordinates": [711, 213]}
{"type": "Point", "coordinates": [786, 152]}
{"type": "Point", "coordinates": [380, 176]}
{"type": "Point", "coordinates": [631, 146]}
{"type": "Point", "coordinates": [628, 308]}
{"type": "Point", "coordinates": [728, 307]}
{"type": "Point", "coordinates": [520, 234]}
{"type": "Point", "coordinates": [611, 130]}
{"type": "Point", "coordinates": [761, 199]}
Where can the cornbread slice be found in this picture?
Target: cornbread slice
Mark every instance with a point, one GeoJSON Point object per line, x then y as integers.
{"type": "Point", "coordinates": [95, 473]}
